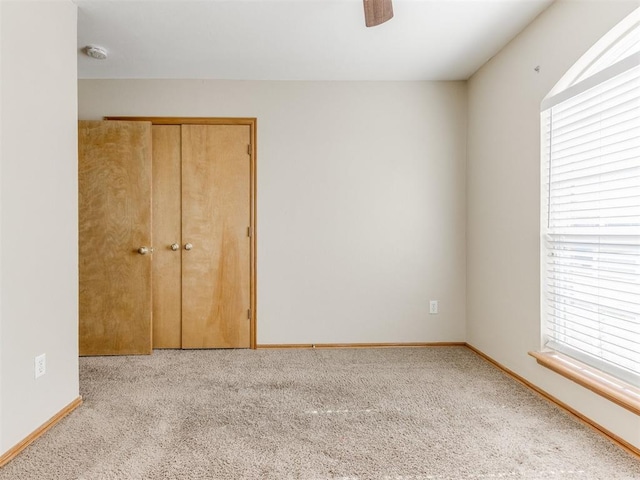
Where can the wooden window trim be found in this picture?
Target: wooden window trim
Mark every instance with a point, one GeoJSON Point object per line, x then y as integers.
{"type": "Point", "coordinates": [607, 386]}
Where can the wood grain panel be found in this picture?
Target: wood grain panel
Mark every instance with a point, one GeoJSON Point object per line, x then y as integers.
{"type": "Point", "coordinates": [114, 188]}
{"type": "Point", "coordinates": [167, 266]}
{"type": "Point", "coordinates": [216, 199]}
{"type": "Point", "coordinates": [252, 123]}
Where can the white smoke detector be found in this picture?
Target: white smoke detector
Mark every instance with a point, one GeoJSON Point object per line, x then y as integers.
{"type": "Point", "coordinates": [95, 52]}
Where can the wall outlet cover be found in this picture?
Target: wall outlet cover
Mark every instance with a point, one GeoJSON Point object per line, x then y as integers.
{"type": "Point", "coordinates": [40, 365]}
{"type": "Point", "coordinates": [433, 307]}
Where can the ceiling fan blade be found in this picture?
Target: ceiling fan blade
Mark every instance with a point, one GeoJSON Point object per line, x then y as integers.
{"type": "Point", "coordinates": [377, 12]}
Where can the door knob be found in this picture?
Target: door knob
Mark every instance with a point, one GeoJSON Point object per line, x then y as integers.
{"type": "Point", "coordinates": [145, 250]}
{"type": "Point", "coordinates": [175, 247]}
{"type": "Point", "coordinates": [188, 246]}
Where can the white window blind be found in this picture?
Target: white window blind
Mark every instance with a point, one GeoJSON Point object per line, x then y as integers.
{"type": "Point", "coordinates": [591, 224]}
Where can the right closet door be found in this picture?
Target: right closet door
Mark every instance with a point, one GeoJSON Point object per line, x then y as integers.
{"type": "Point", "coordinates": [206, 210]}
{"type": "Point", "coordinates": [216, 253]}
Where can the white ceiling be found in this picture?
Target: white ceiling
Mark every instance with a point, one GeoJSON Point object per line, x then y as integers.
{"type": "Point", "coordinates": [296, 39]}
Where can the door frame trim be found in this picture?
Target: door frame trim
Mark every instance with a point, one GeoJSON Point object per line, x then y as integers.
{"type": "Point", "coordinates": [253, 124]}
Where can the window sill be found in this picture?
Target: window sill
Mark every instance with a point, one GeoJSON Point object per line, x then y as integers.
{"type": "Point", "coordinates": [619, 392]}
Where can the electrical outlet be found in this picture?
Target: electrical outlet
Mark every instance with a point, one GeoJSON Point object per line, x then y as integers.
{"type": "Point", "coordinates": [40, 365]}
{"type": "Point", "coordinates": [433, 307]}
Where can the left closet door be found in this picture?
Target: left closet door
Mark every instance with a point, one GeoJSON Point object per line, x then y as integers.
{"type": "Point", "coordinates": [115, 244]}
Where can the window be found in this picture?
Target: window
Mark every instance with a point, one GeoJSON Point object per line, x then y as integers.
{"type": "Point", "coordinates": [590, 218]}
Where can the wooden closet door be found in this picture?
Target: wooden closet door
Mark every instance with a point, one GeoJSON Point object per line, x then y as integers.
{"type": "Point", "coordinates": [114, 189]}
{"type": "Point", "coordinates": [167, 265]}
{"type": "Point", "coordinates": [216, 196]}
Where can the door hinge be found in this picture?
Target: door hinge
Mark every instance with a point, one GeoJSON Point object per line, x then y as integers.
{"type": "Point", "coordinates": [249, 232]}
{"type": "Point", "coordinates": [249, 314]}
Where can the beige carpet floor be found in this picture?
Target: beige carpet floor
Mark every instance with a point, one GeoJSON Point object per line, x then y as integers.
{"type": "Point", "coordinates": [354, 414]}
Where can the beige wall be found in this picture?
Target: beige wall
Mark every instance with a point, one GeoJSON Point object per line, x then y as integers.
{"type": "Point", "coordinates": [362, 203]}
{"type": "Point", "coordinates": [361, 199]}
{"type": "Point", "coordinates": [38, 217]}
{"type": "Point", "coordinates": [503, 196]}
